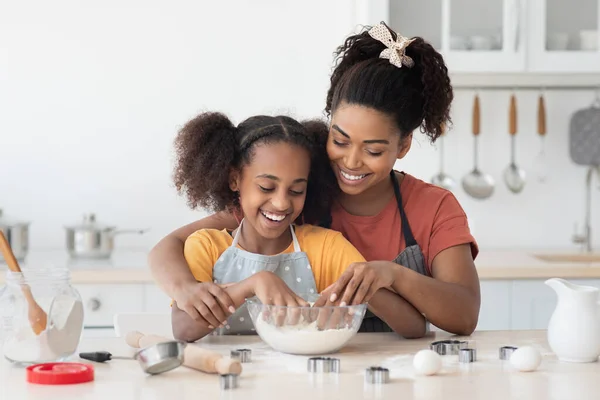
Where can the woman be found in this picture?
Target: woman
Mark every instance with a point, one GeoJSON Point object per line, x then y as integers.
{"type": "Point", "coordinates": [414, 236]}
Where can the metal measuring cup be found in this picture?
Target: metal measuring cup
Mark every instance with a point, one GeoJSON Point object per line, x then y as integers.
{"type": "Point", "coordinates": [155, 359]}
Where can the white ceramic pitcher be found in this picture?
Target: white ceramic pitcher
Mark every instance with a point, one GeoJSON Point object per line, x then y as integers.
{"type": "Point", "coordinates": [574, 328]}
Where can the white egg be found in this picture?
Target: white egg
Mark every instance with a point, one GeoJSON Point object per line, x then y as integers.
{"type": "Point", "coordinates": [526, 359]}
{"type": "Point", "coordinates": [427, 362]}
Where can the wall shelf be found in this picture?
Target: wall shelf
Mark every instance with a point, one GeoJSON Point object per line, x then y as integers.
{"type": "Point", "coordinates": [525, 81]}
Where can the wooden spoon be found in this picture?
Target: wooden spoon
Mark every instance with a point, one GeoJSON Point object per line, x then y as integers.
{"type": "Point", "coordinates": [37, 316]}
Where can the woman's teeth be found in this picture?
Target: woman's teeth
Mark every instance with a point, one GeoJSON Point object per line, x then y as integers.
{"type": "Point", "coordinates": [273, 217]}
{"type": "Point", "coordinates": [352, 177]}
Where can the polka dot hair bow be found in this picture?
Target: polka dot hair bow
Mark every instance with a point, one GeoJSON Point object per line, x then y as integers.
{"type": "Point", "coordinates": [395, 49]}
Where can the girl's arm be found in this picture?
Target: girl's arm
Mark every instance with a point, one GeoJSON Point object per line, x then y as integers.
{"type": "Point", "coordinates": [167, 262]}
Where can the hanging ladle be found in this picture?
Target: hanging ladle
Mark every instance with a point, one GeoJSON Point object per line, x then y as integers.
{"type": "Point", "coordinates": [442, 179]}
{"type": "Point", "coordinates": [514, 177]}
{"type": "Point", "coordinates": [477, 184]}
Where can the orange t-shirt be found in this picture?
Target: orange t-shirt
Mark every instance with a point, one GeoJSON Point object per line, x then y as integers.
{"type": "Point", "coordinates": [436, 219]}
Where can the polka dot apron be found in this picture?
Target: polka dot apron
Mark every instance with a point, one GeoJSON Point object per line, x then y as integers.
{"type": "Point", "coordinates": [236, 264]}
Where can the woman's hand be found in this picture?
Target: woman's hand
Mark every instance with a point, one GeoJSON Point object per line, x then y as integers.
{"type": "Point", "coordinates": [360, 282]}
{"type": "Point", "coordinates": [205, 302]}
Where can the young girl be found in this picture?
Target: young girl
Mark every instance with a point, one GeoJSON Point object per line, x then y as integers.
{"type": "Point", "coordinates": [415, 235]}
{"type": "Point", "coordinates": [272, 171]}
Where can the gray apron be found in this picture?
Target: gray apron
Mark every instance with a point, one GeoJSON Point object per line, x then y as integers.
{"type": "Point", "coordinates": [411, 257]}
{"type": "Point", "coordinates": [236, 264]}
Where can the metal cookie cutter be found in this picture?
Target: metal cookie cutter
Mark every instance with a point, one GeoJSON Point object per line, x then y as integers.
{"type": "Point", "coordinates": [377, 375]}
{"type": "Point", "coordinates": [243, 355]}
{"type": "Point", "coordinates": [448, 347]}
{"type": "Point", "coordinates": [228, 381]}
{"type": "Point", "coordinates": [506, 351]}
{"type": "Point", "coordinates": [323, 365]}
{"type": "Point", "coordinates": [467, 355]}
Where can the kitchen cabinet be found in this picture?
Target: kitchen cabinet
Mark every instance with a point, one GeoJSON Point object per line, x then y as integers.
{"type": "Point", "coordinates": [498, 36]}
{"type": "Point", "coordinates": [533, 302]}
{"type": "Point", "coordinates": [495, 309]}
{"type": "Point", "coordinates": [564, 36]}
{"type": "Point", "coordinates": [102, 301]}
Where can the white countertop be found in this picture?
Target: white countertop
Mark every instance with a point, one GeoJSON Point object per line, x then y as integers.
{"type": "Point", "coordinates": [274, 375]}
{"type": "Point", "coordinates": [130, 266]}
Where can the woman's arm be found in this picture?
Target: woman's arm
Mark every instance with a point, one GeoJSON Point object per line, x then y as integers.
{"type": "Point", "coordinates": [398, 313]}
{"type": "Point", "coordinates": [450, 299]}
{"type": "Point", "coordinates": [167, 262]}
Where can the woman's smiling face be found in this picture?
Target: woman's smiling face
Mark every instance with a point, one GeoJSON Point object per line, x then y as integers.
{"type": "Point", "coordinates": [363, 146]}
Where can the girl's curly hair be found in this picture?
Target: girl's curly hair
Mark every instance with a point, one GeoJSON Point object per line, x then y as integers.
{"type": "Point", "coordinates": [210, 145]}
{"type": "Point", "coordinates": [415, 97]}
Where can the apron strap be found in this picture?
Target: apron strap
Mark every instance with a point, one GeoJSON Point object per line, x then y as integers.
{"type": "Point", "coordinates": [295, 240]}
{"type": "Point", "coordinates": [409, 238]}
{"type": "Point", "coordinates": [236, 237]}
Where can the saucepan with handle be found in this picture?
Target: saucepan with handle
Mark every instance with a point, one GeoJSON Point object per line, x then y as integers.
{"type": "Point", "coordinates": [92, 240]}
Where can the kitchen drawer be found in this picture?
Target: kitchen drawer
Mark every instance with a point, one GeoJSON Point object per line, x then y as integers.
{"type": "Point", "coordinates": [101, 302]}
{"type": "Point", "coordinates": [156, 301]}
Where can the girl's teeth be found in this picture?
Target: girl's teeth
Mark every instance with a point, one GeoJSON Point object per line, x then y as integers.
{"type": "Point", "coordinates": [273, 217]}
{"type": "Point", "coordinates": [352, 177]}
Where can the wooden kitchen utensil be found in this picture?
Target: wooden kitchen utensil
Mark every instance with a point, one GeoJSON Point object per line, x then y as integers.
{"type": "Point", "coordinates": [540, 161]}
{"type": "Point", "coordinates": [194, 357]}
{"type": "Point", "coordinates": [37, 316]}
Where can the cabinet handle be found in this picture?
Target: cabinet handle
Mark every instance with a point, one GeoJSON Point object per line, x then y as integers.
{"type": "Point", "coordinates": [516, 16]}
{"type": "Point", "coordinates": [94, 304]}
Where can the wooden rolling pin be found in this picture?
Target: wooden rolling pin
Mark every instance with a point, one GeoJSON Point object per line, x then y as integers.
{"type": "Point", "coordinates": [193, 357]}
{"type": "Point", "coordinates": [36, 315]}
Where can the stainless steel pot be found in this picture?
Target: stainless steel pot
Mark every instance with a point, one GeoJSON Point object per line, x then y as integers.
{"type": "Point", "coordinates": [17, 234]}
{"type": "Point", "coordinates": [93, 240]}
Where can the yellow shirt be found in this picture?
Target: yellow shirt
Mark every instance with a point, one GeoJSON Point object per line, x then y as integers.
{"type": "Point", "coordinates": [328, 251]}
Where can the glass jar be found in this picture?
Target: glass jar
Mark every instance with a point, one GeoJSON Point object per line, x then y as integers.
{"type": "Point", "coordinates": [27, 300]}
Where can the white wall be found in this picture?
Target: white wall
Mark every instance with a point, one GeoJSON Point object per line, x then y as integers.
{"type": "Point", "coordinates": [92, 94]}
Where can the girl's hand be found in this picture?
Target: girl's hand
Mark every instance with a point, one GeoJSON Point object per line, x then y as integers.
{"type": "Point", "coordinates": [272, 290]}
{"type": "Point", "coordinates": [360, 282]}
{"type": "Point", "coordinates": [205, 302]}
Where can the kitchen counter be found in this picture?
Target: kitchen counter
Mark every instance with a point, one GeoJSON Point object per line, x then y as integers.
{"type": "Point", "coordinates": [273, 375]}
{"type": "Point", "coordinates": [130, 266]}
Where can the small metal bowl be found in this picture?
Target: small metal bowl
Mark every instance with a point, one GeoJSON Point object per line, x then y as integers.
{"type": "Point", "coordinates": [161, 357]}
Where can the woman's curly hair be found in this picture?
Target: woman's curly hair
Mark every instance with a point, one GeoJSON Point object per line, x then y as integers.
{"type": "Point", "coordinates": [415, 97]}
{"type": "Point", "coordinates": [209, 146]}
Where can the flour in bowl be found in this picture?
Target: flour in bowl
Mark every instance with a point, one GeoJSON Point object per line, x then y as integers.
{"type": "Point", "coordinates": [303, 338]}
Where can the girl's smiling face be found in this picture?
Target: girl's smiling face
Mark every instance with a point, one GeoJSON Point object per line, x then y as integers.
{"type": "Point", "coordinates": [272, 187]}
{"type": "Point", "coordinates": [363, 146]}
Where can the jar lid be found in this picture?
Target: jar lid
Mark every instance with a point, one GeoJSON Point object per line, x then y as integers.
{"type": "Point", "coordinates": [60, 373]}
